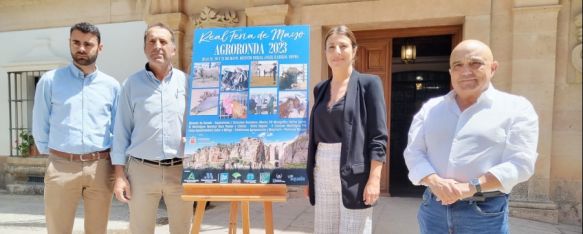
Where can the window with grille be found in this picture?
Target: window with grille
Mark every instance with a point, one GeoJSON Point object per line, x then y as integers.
{"type": "Point", "coordinates": [21, 88]}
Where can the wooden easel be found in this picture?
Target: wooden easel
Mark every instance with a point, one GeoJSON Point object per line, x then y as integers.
{"type": "Point", "coordinates": [236, 194]}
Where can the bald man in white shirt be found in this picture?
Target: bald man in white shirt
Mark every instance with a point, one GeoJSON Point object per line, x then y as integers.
{"type": "Point", "coordinates": [470, 148]}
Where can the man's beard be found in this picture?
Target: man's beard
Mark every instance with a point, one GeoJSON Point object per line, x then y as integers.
{"type": "Point", "coordinates": [89, 60]}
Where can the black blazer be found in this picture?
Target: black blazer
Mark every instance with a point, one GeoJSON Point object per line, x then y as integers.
{"type": "Point", "coordinates": [365, 136]}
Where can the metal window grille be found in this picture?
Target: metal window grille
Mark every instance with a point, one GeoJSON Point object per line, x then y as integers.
{"type": "Point", "coordinates": [21, 88]}
{"type": "Point", "coordinates": [36, 179]}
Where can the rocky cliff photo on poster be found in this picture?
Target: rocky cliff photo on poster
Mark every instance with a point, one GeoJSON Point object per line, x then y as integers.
{"type": "Point", "coordinates": [247, 119]}
{"type": "Point", "coordinates": [252, 153]}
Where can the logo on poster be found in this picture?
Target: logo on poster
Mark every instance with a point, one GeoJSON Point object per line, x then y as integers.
{"type": "Point", "coordinates": [264, 177]}
{"type": "Point", "coordinates": [208, 178]}
{"type": "Point", "coordinates": [250, 178]}
{"type": "Point", "coordinates": [278, 178]}
{"type": "Point", "coordinates": [191, 178]}
{"type": "Point", "coordinates": [224, 178]}
{"type": "Point", "coordinates": [292, 178]}
{"type": "Point", "coordinates": [236, 178]}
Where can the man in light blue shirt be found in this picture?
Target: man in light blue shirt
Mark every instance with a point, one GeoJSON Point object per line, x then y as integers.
{"type": "Point", "coordinates": [148, 138]}
{"type": "Point", "coordinates": [73, 115]}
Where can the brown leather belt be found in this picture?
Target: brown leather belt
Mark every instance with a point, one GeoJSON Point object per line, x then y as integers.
{"type": "Point", "coordinates": [81, 157]}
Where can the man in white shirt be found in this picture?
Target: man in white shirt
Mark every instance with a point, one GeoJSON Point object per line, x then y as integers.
{"type": "Point", "coordinates": [470, 147]}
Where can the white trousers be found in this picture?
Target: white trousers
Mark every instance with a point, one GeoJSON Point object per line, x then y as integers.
{"type": "Point", "coordinates": [331, 217]}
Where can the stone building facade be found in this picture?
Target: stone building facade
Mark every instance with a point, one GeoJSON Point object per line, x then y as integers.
{"type": "Point", "coordinates": [537, 43]}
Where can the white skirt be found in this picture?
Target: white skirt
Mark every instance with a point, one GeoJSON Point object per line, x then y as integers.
{"type": "Point", "coordinates": [331, 217]}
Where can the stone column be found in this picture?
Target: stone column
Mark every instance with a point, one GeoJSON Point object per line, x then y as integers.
{"type": "Point", "coordinates": [533, 76]}
{"type": "Point", "coordinates": [478, 27]}
{"type": "Point", "coordinates": [267, 15]}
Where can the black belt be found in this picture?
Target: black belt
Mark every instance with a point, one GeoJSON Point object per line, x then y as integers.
{"type": "Point", "coordinates": [162, 163]}
{"type": "Point", "coordinates": [483, 196]}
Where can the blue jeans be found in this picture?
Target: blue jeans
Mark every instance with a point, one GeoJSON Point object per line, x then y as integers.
{"type": "Point", "coordinates": [475, 217]}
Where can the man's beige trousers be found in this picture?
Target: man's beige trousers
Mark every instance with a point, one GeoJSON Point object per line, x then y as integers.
{"type": "Point", "coordinates": [149, 183]}
{"type": "Point", "coordinates": [66, 182]}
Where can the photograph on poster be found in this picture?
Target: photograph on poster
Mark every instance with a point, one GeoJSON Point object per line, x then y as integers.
{"type": "Point", "coordinates": [251, 152]}
{"type": "Point", "coordinates": [233, 105]}
{"type": "Point", "coordinates": [206, 75]}
{"type": "Point", "coordinates": [234, 78]}
{"type": "Point", "coordinates": [204, 102]}
{"type": "Point", "coordinates": [293, 104]}
{"type": "Point", "coordinates": [263, 73]}
{"type": "Point", "coordinates": [293, 77]}
{"type": "Point", "coordinates": [262, 101]}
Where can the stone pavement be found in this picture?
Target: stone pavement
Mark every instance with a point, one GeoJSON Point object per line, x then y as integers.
{"type": "Point", "coordinates": [24, 214]}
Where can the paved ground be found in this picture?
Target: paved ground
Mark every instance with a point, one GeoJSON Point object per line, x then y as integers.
{"type": "Point", "coordinates": [24, 214]}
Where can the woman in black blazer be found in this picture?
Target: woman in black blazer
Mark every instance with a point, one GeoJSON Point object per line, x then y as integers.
{"type": "Point", "coordinates": [348, 138]}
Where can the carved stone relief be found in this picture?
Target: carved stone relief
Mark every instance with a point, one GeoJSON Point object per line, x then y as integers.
{"type": "Point", "coordinates": [210, 17]}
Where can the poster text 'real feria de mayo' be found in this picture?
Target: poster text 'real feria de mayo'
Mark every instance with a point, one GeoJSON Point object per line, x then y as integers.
{"type": "Point", "coordinates": [240, 42]}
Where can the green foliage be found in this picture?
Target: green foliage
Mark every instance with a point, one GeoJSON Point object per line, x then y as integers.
{"type": "Point", "coordinates": [26, 141]}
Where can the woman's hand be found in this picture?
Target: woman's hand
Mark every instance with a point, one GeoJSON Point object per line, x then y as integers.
{"type": "Point", "coordinates": [372, 190]}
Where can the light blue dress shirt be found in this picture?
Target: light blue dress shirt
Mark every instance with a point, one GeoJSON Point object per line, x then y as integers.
{"type": "Point", "coordinates": [74, 112]}
{"type": "Point", "coordinates": [150, 117]}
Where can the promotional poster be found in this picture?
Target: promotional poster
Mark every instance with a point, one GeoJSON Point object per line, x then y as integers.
{"type": "Point", "coordinates": [248, 109]}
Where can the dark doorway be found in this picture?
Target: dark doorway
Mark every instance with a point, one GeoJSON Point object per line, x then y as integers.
{"type": "Point", "coordinates": [410, 90]}
{"type": "Point", "coordinates": [412, 85]}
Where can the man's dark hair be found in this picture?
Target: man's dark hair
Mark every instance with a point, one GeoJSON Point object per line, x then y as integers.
{"type": "Point", "coordinates": [85, 27]}
{"type": "Point", "coordinates": [159, 25]}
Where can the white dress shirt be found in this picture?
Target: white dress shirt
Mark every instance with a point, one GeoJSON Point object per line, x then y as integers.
{"type": "Point", "coordinates": [497, 134]}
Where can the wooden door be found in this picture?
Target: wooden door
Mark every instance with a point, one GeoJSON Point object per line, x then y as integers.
{"type": "Point", "coordinates": [374, 57]}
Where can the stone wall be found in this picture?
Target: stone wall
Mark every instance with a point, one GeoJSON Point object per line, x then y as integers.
{"type": "Point", "coordinates": [19, 171]}
{"type": "Point", "coordinates": [2, 171]}
{"type": "Point", "coordinates": [566, 153]}
{"type": "Point", "coordinates": [18, 15]}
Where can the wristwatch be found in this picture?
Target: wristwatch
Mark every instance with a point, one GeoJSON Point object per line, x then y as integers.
{"type": "Point", "coordinates": [476, 183]}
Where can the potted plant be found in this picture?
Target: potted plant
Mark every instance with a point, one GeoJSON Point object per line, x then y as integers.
{"type": "Point", "coordinates": [23, 174]}
{"type": "Point", "coordinates": [26, 145]}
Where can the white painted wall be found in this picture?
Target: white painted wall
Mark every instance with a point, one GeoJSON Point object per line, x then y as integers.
{"type": "Point", "coordinates": [122, 55]}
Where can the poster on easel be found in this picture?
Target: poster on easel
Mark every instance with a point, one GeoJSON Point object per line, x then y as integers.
{"type": "Point", "coordinates": [247, 115]}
